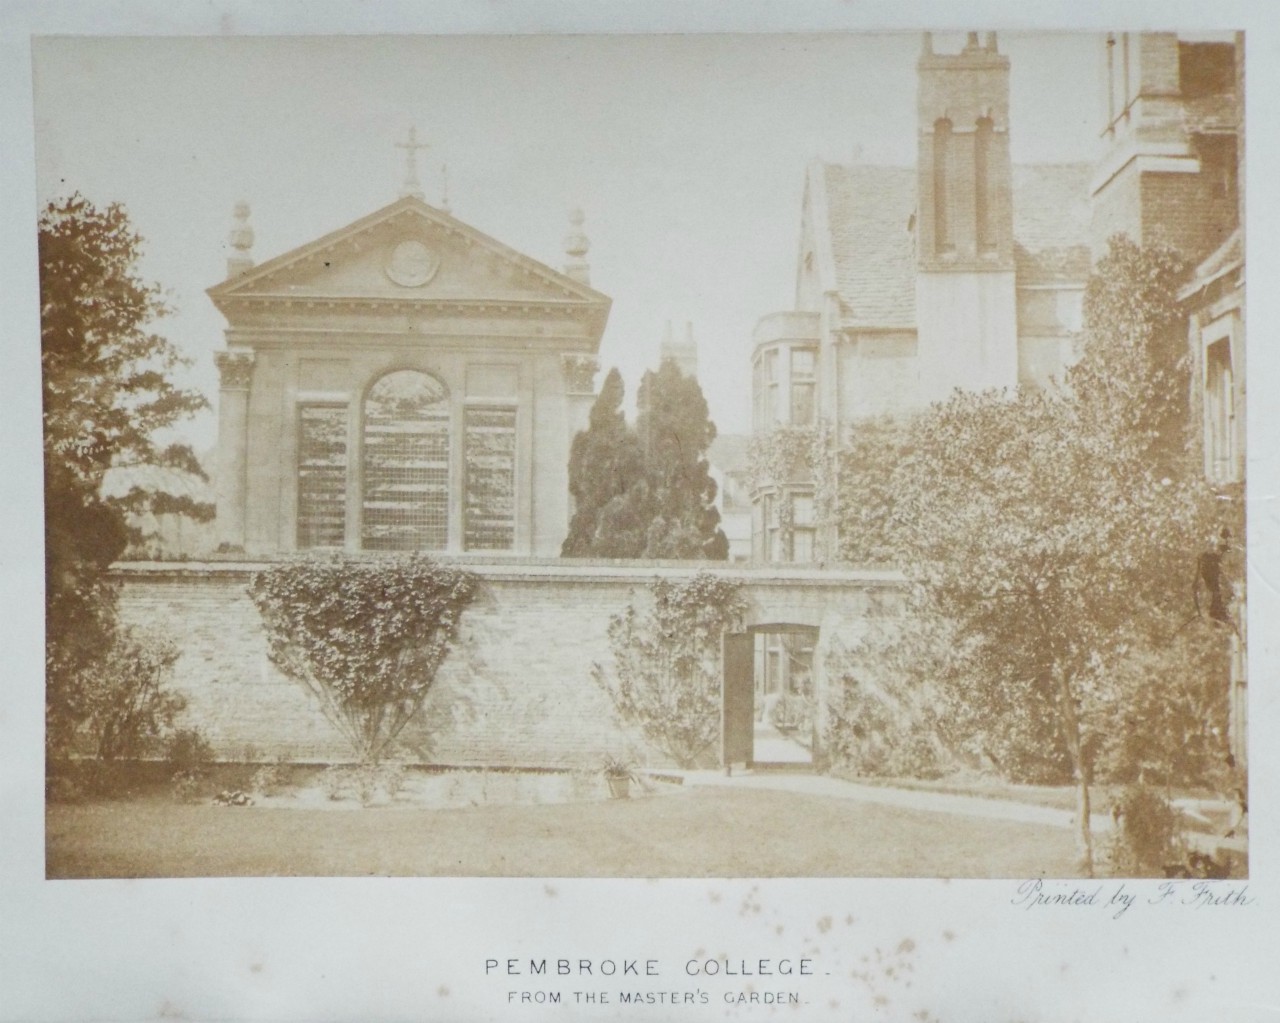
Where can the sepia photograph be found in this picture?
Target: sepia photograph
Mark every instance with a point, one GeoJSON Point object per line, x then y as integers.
{"type": "Point", "coordinates": [565, 469]}
{"type": "Point", "coordinates": [544, 512]}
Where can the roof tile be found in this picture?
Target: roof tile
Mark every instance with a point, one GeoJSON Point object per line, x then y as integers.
{"type": "Point", "coordinates": [870, 211]}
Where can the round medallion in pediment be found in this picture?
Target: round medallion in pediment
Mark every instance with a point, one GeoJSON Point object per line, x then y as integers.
{"type": "Point", "coordinates": [412, 264]}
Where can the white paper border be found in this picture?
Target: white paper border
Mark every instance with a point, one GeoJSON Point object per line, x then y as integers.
{"type": "Point", "coordinates": [348, 949]}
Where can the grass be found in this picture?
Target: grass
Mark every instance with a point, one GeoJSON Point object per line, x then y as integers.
{"type": "Point", "coordinates": [704, 832]}
{"type": "Point", "coordinates": [1056, 797]}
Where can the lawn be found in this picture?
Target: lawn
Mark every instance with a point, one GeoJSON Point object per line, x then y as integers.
{"type": "Point", "coordinates": [702, 832]}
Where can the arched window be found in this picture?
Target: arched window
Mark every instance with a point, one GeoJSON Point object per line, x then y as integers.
{"type": "Point", "coordinates": [406, 464]}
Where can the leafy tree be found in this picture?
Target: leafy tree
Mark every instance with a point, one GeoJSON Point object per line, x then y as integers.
{"type": "Point", "coordinates": [1050, 539]}
{"type": "Point", "coordinates": [667, 664]}
{"type": "Point", "coordinates": [107, 397]}
{"type": "Point", "coordinates": [1053, 557]}
{"type": "Point", "coordinates": [669, 512]}
{"type": "Point", "coordinates": [604, 462]}
{"type": "Point", "coordinates": [364, 637]}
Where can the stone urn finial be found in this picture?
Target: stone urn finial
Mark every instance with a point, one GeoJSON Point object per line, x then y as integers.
{"type": "Point", "coordinates": [576, 246]}
{"type": "Point", "coordinates": [240, 238]}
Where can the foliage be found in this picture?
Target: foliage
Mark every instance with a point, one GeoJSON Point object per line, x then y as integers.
{"type": "Point", "coordinates": [127, 704]}
{"type": "Point", "coordinates": [107, 396]}
{"type": "Point", "coordinates": [616, 767]}
{"type": "Point", "coordinates": [875, 730]}
{"type": "Point", "coordinates": [364, 636]}
{"type": "Point", "coordinates": [793, 712]}
{"type": "Point", "coordinates": [267, 780]}
{"type": "Point", "coordinates": [797, 455]}
{"type": "Point", "coordinates": [1134, 372]}
{"type": "Point", "coordinates": [1055, 551]}
{"type": "Point", "coordinates": [648, 493]}
{"type": "Point", "coordinates": [363, 781]}
{"type": "Point", "coordinates": [866, 493]}
{"type": "Point", "coordinates": [604, 462]}
{"type": "Point", "coordinates": [1050, 539]}
{"type": "Point", "coordinates": [187, 751]}
{"type": "Point", "coordinates": [785, 454]}
{"type": "Point", "coordinates": [667, 663]}
{"type": "Point", "coordinates": [1168, 705]}
{"type": "Point", "coordinates": [1148, 833]}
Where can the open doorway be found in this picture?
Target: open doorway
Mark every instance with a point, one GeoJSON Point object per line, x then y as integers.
{"type": "Point", "coordinates": [769, 705]}
{"type": "Point", "coordinates": [783, 732]}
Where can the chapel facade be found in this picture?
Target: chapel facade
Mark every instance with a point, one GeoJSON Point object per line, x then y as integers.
{"type": "Point", "coordinates": [405, 383]}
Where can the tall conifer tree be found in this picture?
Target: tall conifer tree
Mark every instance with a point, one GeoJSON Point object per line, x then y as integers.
{"type": "Point", "coordinates": [670, 512]}
{"type": "Point", "coordinates": [604, 462]}
{"type": "Point", "coordinates": [647, 492]}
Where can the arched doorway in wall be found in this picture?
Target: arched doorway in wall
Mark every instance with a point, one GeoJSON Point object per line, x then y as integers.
{"type": "Point", "coordinates": [405, 505]}
{"type": "Point", "coordinates": [769, 701]}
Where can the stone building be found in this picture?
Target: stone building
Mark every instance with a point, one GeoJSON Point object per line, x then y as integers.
{"type": "Point", "coordinates": [1173, 174]}
{"type": "Point", "coordinates": [405, 382]}
{"type": "Point", "coordinates": [963, 271]}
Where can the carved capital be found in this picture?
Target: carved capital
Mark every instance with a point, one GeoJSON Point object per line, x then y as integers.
{"type": "Point", "coordinates": [235, 368]}
{"type": "Point", "coordinates": [580, 373]}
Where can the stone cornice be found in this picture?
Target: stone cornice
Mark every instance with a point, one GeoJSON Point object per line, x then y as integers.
{"type": "Point", "coordinates": [416, 319]}
{"type": "Point", "coordinates": [303, 340]}
{"type": "Point", "coordinates": [307, 298]}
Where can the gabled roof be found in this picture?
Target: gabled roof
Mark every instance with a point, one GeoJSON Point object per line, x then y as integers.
{"type": "Point", "coordinates": [301, 272]}
{"type": "Point", "coordinates": [865, 215]}
{"type": "Point", "coordinates": [869, 214]}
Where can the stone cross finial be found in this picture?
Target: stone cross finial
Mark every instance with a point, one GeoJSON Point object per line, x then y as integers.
{"type": "Point", "coordinates": [444, 188]}
{"type": "Point", "coordinates": [411, 146]}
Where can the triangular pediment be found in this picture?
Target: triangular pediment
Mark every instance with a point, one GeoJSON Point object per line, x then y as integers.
{"type": "Point", "coordinates": [408, 251]}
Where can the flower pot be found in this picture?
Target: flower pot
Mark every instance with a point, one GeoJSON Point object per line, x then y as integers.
{"type": "Point", "coordinates": [619, 787]}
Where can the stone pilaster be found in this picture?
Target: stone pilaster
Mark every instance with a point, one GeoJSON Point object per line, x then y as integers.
{"type": "Point", "coordinates": [236, 370]}
{"type": "Point", "coordinates": [580, 389]}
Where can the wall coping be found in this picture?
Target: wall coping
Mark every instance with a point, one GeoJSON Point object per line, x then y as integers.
{"type": "Point", "coordinates": [555, 570]}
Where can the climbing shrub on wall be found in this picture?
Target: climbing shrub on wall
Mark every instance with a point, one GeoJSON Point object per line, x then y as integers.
{"type": "Point", "coordinates": [364, 636]}
{"type": "Point", "coordinates": [880, 721]}
{"type": "Point", "coordinates": [798, 455]}
{"type": "Point", "coordinates": [667, 663]}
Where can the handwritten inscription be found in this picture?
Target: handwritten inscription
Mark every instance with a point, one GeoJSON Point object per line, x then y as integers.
{"type": "Point", "coordinates": [1118, 897]}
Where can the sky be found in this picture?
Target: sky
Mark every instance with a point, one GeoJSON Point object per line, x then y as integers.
{"type": "Point", "coordinates": [686, 153]}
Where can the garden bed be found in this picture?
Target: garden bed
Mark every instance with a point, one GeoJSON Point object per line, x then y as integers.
{"type": "Point", "coordinates": [351, 787]}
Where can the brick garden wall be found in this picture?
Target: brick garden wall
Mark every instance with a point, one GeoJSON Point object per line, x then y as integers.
{"type": "Point", "coordinates": [515, 691]}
